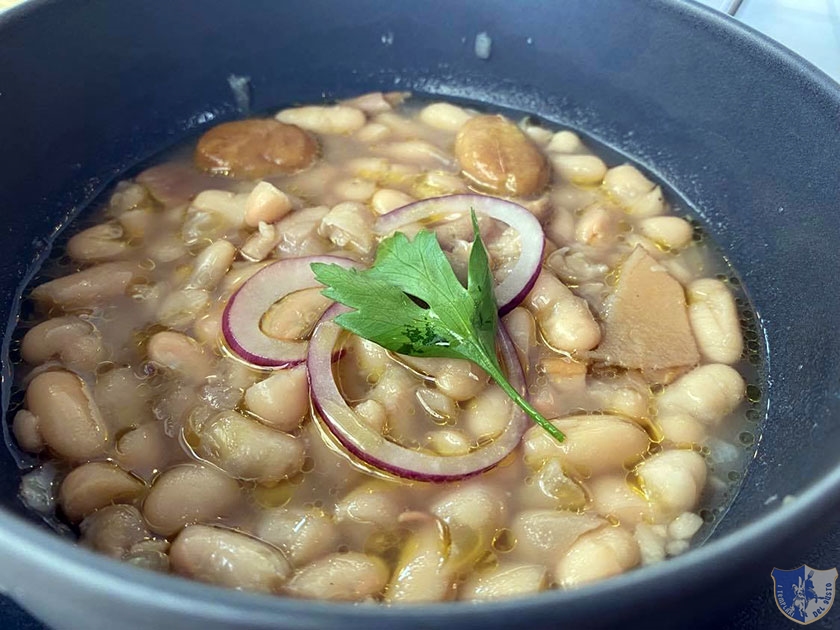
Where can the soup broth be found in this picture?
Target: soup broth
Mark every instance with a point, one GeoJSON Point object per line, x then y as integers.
{"type": "Point", "coordinates": [151, 437]}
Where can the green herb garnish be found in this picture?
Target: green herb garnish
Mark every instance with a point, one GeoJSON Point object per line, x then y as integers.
{"type": "Point", "coordinates": [412, 303]}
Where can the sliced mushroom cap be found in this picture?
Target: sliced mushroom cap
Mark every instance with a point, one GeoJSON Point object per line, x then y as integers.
{"type": "Point", "coordinates": [646, 321]}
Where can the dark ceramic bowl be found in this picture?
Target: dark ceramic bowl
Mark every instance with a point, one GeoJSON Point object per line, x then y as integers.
{"type": "Point", "coordinates": [745, 132]}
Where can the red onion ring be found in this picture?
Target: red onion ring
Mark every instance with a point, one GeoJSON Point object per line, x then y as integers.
{"type": "Point", "coordinates": [513, 289]}
{"type": "Point", "coordinates": [373, 448]}
{"type": "Point", "coordinates": [245, 308]}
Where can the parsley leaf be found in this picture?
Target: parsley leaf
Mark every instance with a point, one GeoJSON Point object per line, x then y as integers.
{"type": "Point", "coordinates": [412, 303]}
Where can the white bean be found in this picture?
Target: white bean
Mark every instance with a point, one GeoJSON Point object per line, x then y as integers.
{"type": "Point", "coordinates": [349, 225]}
{"type": "Point", "coordinates": [593, 444]}
{"type": "Point", "coordinates": [597, 226]}
{"type": "Point", "coordinates": [211, 265]}
{"type": "Point", "coordinates": [373, 503]}
{"type": "Point", "coordinates": [670, 232]}
{"type": "Point", "coordinates": [348, 576]}
{"type": "Point", "coordinates": [437, 183]}
{"type": "Point", "coordinates": [146, 449]}
{"type": "Point", "coordinates": [260, 244]}
{"type": "Point", "coordinates": [681, 429]}
{"type": "Point", "coordinates": [355, 189]}
{"type": "Point", "coordinates": [180, 354]}
{"type": "Point", "coordinates": [282, 400]}
{"type": "Point", "coordinates": [94, 485]}
{"type": "Point", "coordinates": [505, 580]}
{"type": "Point", "coordinates": [98, 243]}
{"type": "Point", "coordinates": [68, 419]}
{"type": "Point", "coordinates": [565, 319]}
{"type": "Point", "coordinates": [189, 493]}
{"type": "Point", "coordinates": [136, 223]}
{"type": "Point", "coordinates": [488, 413]}
{"type": "Point", "coordinates": [372, 102]}
{"type": "Point", "coordinates": [651, 543]}
{"type": "Point", "coordinates": [612, 496]}
{"type": "Point", "coordinates": [449, 442]}
{"type": "Point", "coordinates": [579, 169]}
{"type": "Point", "coordinates": [266, 203]}
{"type": "Point", "coordinates": [295, 315]}
{"type": "Point", "coordinates": [88, 288]}
{"type": "Point", "coordinates": [387, 199]}
{"type": "Point", "coordinates": [597, 555]}
{"type": "Point", "coordinates": [303, 535]}
{"type": "Point", "coordinates": [228, 558]}
{"type": "Point", "coordinates": [672, 481]}
{"type": "Point", "coordinates": [565, 141]}
{"type": "Point", "coordinates": [248, 450]}
{"type": "Point", "coordinates": [372, 132]}
{"type": "Point", "coordinates": [415, 152]}
{"type": "Point", "coordinates": [545, 535]}
{"type": "Point", "coordinates": [444, 116]}
{"type": "Point", "coordinates": [75, 342]}
{"type": "Point", "coordinates": [123, 399]}
{"type": "Point", "coordinates": [540, 135]}
{"type": "Point", "coordinates": [707, 393]}
{"type": "Point", "coordinates": [685, 526]}
{"type": "Point", "coordinates": [181, 308]}
{"type": "Point", "coordinates": [421, 574]}
{"type": "Point", "coordinates": [25, 428]}
{"type": "Point", "coordinates": [113, 530]}
{"type": "Point", "coordinates": [325, 119]}
{"type": "Point", "coordinates": [714, 320]}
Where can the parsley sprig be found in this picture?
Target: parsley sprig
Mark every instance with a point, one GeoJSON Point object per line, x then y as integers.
{"type": "Point", "coordinates": [411, 302]}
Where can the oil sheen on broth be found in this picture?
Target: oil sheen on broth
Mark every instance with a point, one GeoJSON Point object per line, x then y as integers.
{"type": "Point", "coordinates": [146, 437]}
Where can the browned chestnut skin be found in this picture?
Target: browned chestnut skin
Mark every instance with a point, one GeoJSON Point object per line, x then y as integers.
{"type": "Point", "coordinates": [499, 158]}
{"type": "Point", "coordinates": [256, 148]}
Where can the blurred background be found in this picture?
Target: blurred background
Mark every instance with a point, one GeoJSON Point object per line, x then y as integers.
{"type": "Point", "coordinates": [810, 28]}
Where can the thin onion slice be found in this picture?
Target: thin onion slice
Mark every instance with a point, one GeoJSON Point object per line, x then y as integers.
{"type": "Point", "coordinates": [245, 309]}
{"type": "Point", "coordinates": [376, 450]}
{"type": "Point", "coordinates": [513, 289]}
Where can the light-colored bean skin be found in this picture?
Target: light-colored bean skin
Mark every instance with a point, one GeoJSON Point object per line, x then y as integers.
{"type": "Point", "coordinates": [349, 225]}
{"type": "Point", "coordinates": [438, 405]}
{"type": "Point", "coordinates": [372, 503]}
{"type": "Point", "coordinates": [522, 328]}
{"type": "Point", "coordinates": [68, 418]}
{"type": "Point", "coordinates": [261, 243]}
{"type": "Point", "coordinates": [211, 265]}
{"type": "Point", "coordinates": [670, 232]}
{"type": "Point", "coordinates": [651, 543]}
{"type": "Point", "coordinates": [146, 450]}
{"type": "Point", "coordinates": [437, 183]}
{"type": "Point", "coordinates": [672, 481]}
{"type": "Point", "coordinates": [181, 355]}
{"type": "Point", "coordinates": [458, 379]}
{"type": "Point", "coordinates": [681, 429]}
{"type": "Point", "coordinates": [295, 315]}
{"type": "Point", "coordinates": [598, 226]}
{"type": "Point", "coordinates": [597, 555]}
{"type": "Point", "coordinates": [564, 319]}
{"type": "Point", "coordinates": [540, 135]}
{"type": "Point", "coordinates": [373, 414]}
{"type": "Point", "coordinates": [303, 535]}
{"type": "Point", "coordinates": [449, 442]}
{"type": "Point", "coordinates": [684, 526]}
{"type": "Point", "coordinates": [472, 511]}
{"type": "Point", "coordinates": [565, 141]}
{"type": "Point", "coordinates": [348, 577]}
{"type": "Point", "coordinates": [505, 580]}
{"type": "Point", "coordinates": [488, 413]}
{"type": "Point", "coordinates": [354, 189]}
{"type": "Point", "coordinates": [714, 320]}
{"type": "Point", "coordinates": [372, 132]}
{"type": "Point", "coordinates": [98, 243]}
{"type": "Point", "coordinates": [418, 153]}
{"type": "Point", "coordinates": [227, 558]}
{"type": "Point", "coordinates": [594, 444]}
{"type": "Point", "coordinates": [89, 288]}
{"type": "Point", "coordinates": [586, 170]}
{"type": "Point", "coordinates": [708, 393]}
{"type": "Point", "coordinates": [94, 485]}
{"type": "Point", "coordinates": [422, 573]}
{"type": "Point", "coordinates": [281, 400]}
{"type": "Point", "coordinates": [186, 494]}
{"type": "Point", "coordinates": [123, 399]}
{"type": "Point", "coordinates": [325, 119]}
{"type": "Point", "coordinates": [552, 488]}
{"type": "Point", "coordinates": [208, 327]}
{"type": "Point", "coordinates": [299, 233]}
{"type": "Point", "coordinates": [246, 449]}
{"type": "Point", "coordinates": [113, 530]}
{"type": "Point", "coordinates": [239, 274]}
{"type": "Point", "coordinates": [25, 428]}
{"type": "Point", "coordinates": [373, 102]}
{"type": "Point", "coordinates": [444, 116]}
{"type": "Point", "coordinates": [612, 496]}
{"type": "Point", "coordinates": [386, 199]}
{"type": "Point", "coordinates": [212, 215]}
{"type": "Point", "coordinates": [266, 204]}
{"type": "Point", "coordinates": [181, 308]}
{"type": "Point", "coordinates": [75, 342]}
{"type": "Point", "coordinates": [152, 555]}
{"type": "Point", "coordinates": [635, 192]}
{"type": "Point", "coordinates": [545, 535]}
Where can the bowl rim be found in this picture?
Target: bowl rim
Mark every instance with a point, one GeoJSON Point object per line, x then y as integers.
{"type": "Point", "coordinates": [130, 584]}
